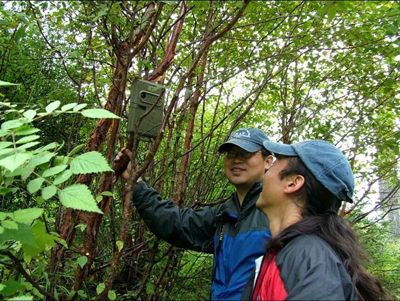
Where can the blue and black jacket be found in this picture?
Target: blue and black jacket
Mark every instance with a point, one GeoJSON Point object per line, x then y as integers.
{"type": "Point", "coordinates": [235, 234]}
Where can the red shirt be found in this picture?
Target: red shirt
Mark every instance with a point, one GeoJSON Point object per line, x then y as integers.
{"type": "Point", "coordinates": [269, 285]}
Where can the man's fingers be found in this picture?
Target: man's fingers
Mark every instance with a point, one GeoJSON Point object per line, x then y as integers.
{"type": "Point", "coordinates": [126, 151]}
{"type": "Point", "coordinates": [120, 163]}
{"type": "Point", "coordinates": [122, 153]}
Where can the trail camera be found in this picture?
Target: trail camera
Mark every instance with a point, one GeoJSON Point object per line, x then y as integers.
{"type": "Point", "coordinates": [146, 108]}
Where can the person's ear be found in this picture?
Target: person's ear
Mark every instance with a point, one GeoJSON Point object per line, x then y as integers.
{"type": "Point", "coordinates": [269, 160]}
{"type": "Point", "coordinates": [294, 183]}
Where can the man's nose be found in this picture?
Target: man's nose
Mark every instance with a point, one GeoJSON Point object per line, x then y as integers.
{"type": "Point", "coordinates": [238, 157]}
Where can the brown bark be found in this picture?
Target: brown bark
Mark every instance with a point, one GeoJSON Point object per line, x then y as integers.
{"type": "Point", "coordinates": [114, 104]}
{"type": "Point", "coordinates": [171, 47]}
{"type": "Point", "coordinates": [194, 104]}
{"type": "Point", "coordinates": [125, 54]}
{"type": "Point", "coordinates": [125, 51]}
{"type": "Point", "coordinates": [127, 207]}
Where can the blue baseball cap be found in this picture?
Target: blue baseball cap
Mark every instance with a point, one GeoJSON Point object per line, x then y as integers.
{"type": "Point", "coordinates": [325, 161]}
{"type": "Point", "coordinates": [250, 139]}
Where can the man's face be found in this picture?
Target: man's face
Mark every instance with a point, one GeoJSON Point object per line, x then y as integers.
{"type": "Point", "coordinates": [243, 168]}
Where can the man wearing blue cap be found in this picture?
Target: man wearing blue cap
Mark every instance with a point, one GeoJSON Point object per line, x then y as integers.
{"type": "Point", "coordinates": [313, 253]}
{"type": "Point", "coordinates": [235, 232]}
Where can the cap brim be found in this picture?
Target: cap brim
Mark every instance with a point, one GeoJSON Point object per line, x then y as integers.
{"type": "Point", "coordinates": [279, 148]}
{"type": "Point", "coordinates": [246, 145]}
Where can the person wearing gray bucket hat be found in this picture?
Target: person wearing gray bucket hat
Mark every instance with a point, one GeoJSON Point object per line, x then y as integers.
{"type": "Point", "coordinates": [235, 231]}
{"type": "Point", "coordinates": [313, 253]}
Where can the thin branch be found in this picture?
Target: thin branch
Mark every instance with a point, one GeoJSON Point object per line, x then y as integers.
{"type": "Point", "coordinates": [20, 268]}
{"type": "Point", "coordinates": [50, 45]}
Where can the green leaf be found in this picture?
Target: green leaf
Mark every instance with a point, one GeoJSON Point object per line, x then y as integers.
{"type": "Point", "coordinates": [26, 130]}
{"type": "Point", "coordinates": [81, 227]}
{"type": "Point", "coordinates": [150, 288]}
{"type": "Point", "coordinates": [98, 198]}
{"type": "Point", "coordinates": [27, 145]}
{"type": "Point", "coordinates": [4, 133]}
{"type": "Point", "coordinates": [35, 185]}
{"type": "Point", "coordinates": [43, 239]}
{"type": "Point", "coordinates": [26, 237]}
{"type": "Point", "coordinates": [52, 106]}
{"type": "Point", "coordinates": [26, 216]}
{"type": "Point", "coordinates": [48, 192]}
{"type": "Point", "coordinates": [78, 196]}
{"type": "Point", "coordinates": [12, 124]}
{"type": "Point", "coordinates": [9, 224]}
{"type": "Point", "coordinates": [6, 151]}
{"type": "Point", "coordinates": [54, 170]}
{"type": "Point", "coordinates": [14, 161]}
{"type": "Point", "coordinates": [107, 193]}
{"type": "Point", "coordinates": [68, 106]}
{"type": "Point", "coordinates": [30, 114]}
{"type": "Point", "coordinates": [79, 107]}
{"type": "Point", "coordinates": [112, 295]}
{"type": "Point", "coordinates": [27, 139]}
{"type": "Point", "coordinates": [3, 83]}
{"type": "Point", "coordinates": [100, 288]}
{"type": "Point", "coordinates": [82, 260]}
{"type": "Point", "coordinates": [76, 149]}
{"type": "Point", "coordinates": [99, 113]}
{"type": "Point", "coordinates": [21, 298]}
{"type": "Point", "coordinates": [39, 200]}
{"type": "Point", "coordinates": [49, 146]}
{"type": "Point", "coordinates": [61, 241]}
{"type": "Point", "coordinates": [4, 215]}
{"type": "Point", "coordinates": [58, 160]}
{"type": "Point", "coordinates": [4, 191]}
{"type": "Point", "coordinates": [120, 245]}
{"type": "Point", "coordinates": [63, 177]}
{"type": "Point", "coordinates": [11, 111]}
{"type": "Point", "coordinates": [331, 11]}
{"type": "Point", "coordinates": [89, 162]}
{"type": "Point", "coordinates": [24, 172]}
{"type": "Point", "coordinates": [11, 287]}
{"type": "Point", "coordinates": [82, 294]}
{"type": "Point", "coordinates": [40, 158]}
{"type": "Point", "coordinates": [4, 144]}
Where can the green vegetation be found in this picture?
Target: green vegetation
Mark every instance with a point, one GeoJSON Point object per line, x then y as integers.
{"type": "Point", "coordinates": [296, 69]}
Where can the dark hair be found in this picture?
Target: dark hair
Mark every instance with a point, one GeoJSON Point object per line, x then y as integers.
{"type": "Point", "coordinates": [320, 217]}
{"type": "Point", "coordinates": [265, 153]}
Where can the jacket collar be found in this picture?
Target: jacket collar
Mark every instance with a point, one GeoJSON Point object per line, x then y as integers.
{"type": "Point", "coordinates": [250, 199]}
{"type": "Point", "coordinates": [233, 208]}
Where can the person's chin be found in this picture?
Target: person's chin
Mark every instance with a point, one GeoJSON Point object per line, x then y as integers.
{"type": "Point", "coordinates": [236, 180]}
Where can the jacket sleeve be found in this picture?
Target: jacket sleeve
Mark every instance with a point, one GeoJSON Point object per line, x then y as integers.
{"type": "Point", "coordinates": [182, 227]}
{"type": "Point", "coordinates": [312, 271]}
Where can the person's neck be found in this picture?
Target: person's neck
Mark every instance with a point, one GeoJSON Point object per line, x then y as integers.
{"type": "Point", "coordinates": [282, 216]}
{"type": "Point", "coordinates": [242, 191]}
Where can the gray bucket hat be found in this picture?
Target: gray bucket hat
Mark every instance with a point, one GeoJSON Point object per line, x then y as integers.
{"type": "Point", "coordinates": [326, 162]}
{"type": "Point", "coordinates": [250, 139]}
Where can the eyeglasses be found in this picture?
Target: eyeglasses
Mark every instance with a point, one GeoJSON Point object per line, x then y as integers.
{"type": "Point", "coordinates": [231, 154]}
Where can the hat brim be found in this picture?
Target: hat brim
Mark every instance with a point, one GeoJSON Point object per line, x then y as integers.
{"type": "Point", "coordinates": [279, 148]}
{"type": "Point", "coordinates": [246, 145]}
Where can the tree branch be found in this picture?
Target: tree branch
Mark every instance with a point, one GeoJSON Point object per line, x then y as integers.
{"type": "Point", "coordinates": [20, 268]}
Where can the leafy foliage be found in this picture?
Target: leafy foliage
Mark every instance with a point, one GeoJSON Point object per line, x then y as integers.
{"type": "Point", "coordinates": [306, 69]}
{"type": "Point", "coordinates": [23, 161]}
